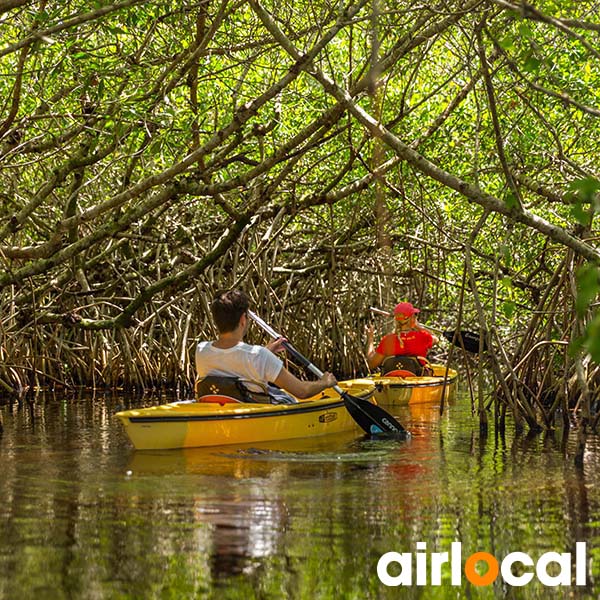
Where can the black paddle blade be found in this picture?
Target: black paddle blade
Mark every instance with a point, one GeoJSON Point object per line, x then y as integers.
{"type": "Point", "coordinates": [470, 340]}
{"type": "Point", "coordinates": [372, 418]}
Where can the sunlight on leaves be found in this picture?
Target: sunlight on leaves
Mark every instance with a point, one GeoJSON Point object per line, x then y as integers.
{"type": "Point", "coordinates": [588, 286]}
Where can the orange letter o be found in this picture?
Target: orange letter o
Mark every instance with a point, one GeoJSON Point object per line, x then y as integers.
{"type": "Point", "coordinates": [473, 576]}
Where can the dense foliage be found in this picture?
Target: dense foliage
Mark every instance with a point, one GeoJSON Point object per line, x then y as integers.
{"type": "Point", "coordinates": [325, 156]}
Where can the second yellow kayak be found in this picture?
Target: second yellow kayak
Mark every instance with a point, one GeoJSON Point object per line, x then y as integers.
{"type": "Point", "coordinates": [415, 390]}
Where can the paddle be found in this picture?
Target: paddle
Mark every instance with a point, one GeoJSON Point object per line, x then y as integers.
{"type": "Point", "coordinates": [371, 418]}
{"type": "Point", "coordinates": [468, 340]}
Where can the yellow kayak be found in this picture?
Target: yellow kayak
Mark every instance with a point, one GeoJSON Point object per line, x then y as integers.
{"type": "Point", "coordinates": [415, 390]}
{"type": "Point", "coordinates": [196, 424]}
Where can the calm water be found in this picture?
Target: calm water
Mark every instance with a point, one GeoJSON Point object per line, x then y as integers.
{"type": "Point", "coordinates": [83, 515]}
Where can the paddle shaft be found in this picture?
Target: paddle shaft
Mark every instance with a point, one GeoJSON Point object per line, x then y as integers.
{"type": "Point", "coordinates": [299, 357]}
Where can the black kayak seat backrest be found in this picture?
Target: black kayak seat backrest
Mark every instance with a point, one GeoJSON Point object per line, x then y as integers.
{"type": "Point", "coordinates": [405, 363]}
{"type": "Point", "coordinates": [230, 389]}
{"type": "Point", "coordinates": [227, 389]}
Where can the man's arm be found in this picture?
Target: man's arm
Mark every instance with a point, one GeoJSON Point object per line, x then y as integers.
{"type": "Point", "coordinates": [303, 389]}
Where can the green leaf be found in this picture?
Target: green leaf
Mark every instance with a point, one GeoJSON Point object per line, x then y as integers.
{"type": "Point", "coordinates": [588, 286]}
{"type": "Point", "coordinates": [585, 188]}
{"type": "Point", "coordinates": [41, 16]}
{"type": "Point", "coordinates": [581, 213]}
{"type": "Point", "coordinates": [507, 43]}
{"type": "Point", "coordinates": [525, 30]}
{"type": "Point", "coordinates": [576, 346]}
{"type": "Point", "coordinates": [510, 200]}
{"type": "Point", "coordinates": [591, 340]}
{"type": "Point", "coordinates": [508, 308]}
{"type": "Point", "coordinates": [506, 254]}
{"type": "Point", "coordinates": [532, 64]}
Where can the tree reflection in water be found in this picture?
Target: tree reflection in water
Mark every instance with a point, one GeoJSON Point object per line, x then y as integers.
{"type": "Point", "coordinates": [83, 515]}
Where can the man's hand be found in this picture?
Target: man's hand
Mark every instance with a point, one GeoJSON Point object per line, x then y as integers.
{"type": "Point", "coordinates": [276, 345]}
{"type": "Point", "coordinates": [328, 379]}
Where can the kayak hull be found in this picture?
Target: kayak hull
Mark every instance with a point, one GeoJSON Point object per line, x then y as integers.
{"type": "Point", "coordinates": [416, 390]}
{"type": "Point", "coordinates": [200, 424]}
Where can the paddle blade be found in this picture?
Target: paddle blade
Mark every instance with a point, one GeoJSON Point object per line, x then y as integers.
{"type": "Point", "coordinates": [470, 340]}
{"type": "Point", "coordinates": [372, 418]}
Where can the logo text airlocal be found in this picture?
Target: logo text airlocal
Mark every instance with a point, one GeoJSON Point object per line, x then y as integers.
{"type": "Point", "coordinates": [428, 567]}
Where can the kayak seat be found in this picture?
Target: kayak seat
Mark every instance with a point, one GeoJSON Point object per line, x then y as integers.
{"type": "Point", "coordinates": [227, 390]}
{"type": "Point", "coordinates": [416, 365]}
{"type": "Point", "coordinates": [399, 373]}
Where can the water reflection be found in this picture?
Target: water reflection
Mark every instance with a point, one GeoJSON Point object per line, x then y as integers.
{"type": "Point", "coordinates": [82, 515]}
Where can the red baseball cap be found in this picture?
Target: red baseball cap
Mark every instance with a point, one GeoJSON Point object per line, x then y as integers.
{"type": "Point", "coordinates": [406, 309]}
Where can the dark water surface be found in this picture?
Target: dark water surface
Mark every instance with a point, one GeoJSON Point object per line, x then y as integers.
{"type": "Point", "coordinates": [83, 515]}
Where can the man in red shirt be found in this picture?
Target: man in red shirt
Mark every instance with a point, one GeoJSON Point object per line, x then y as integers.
{"type": "Point", "coordinates": [409, 339]}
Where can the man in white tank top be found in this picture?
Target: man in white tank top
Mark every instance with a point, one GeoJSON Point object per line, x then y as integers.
{"type": "Point", "coordinates": [255, 366]}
